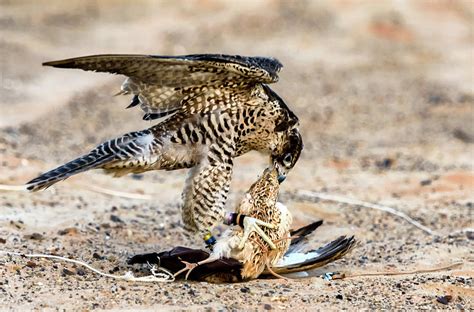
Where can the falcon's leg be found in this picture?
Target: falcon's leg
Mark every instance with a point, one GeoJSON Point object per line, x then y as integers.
{"type": "Point", "coordinates": [249, 225]}
{"type": "Point", "coordinates": [205, 194]}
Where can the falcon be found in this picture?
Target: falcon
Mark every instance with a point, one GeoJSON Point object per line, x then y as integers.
{"type": "Point", "coordinates": [208, 109]}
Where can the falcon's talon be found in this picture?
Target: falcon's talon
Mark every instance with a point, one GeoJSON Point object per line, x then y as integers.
{"type": "Point", "coordinates": [252, 225]}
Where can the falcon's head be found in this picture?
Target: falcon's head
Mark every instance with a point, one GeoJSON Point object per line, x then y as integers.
{"type": "Point", "coordinates": [289, 154]}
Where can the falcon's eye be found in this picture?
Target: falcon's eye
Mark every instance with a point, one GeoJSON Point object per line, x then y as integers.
{"type": "Point", "coordinates": [287, 160]}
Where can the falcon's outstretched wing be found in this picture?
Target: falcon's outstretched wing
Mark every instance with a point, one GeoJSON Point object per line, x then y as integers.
{"type": "Point", "coordinates": [160, 84]}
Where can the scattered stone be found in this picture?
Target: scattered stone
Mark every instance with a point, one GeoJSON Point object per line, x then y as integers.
{"type": "Point", "coordinates": [444, 299]}
{"type": "Point", "coordinates": [18, 224]}
{"type": "Point", "coordinates": [116, 219]}
{"type": "Point", "coordinates": [385, 164]}
{"type": "Point", "coordinates": [68, 272]}
{"type": "Point", "coordinates": [95, 255]}
{"type": "Point", "coordinates": [267, 306]}
{"type": "Point", "coordinates": [68, 231]}
{"type": "Point", "coordinates": [245, 289]}
{"type": "Point", "coordinates": [2, 240]}
{"type": "Point", "coordinates": [339, 296]}
{"type": "Point", "coordinates": [463, 136]}
{"type": "Point", "coordinates": [425, 182]}
{"type": "Point", "coordinates": [31, 264]}
{"type": "Point", "coordinates": [437, 98]}
{"type": "Point", "coordinates": [34, 236]}
{"type": "Point", "coordinates": [80, 272]}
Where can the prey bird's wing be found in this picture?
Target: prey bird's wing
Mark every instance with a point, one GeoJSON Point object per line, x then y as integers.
{"type": "Point", "coordinates": [160, 84]}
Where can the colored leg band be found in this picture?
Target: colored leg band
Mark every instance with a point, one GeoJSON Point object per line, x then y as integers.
{"type": "Point", "coordinates": [233, 218]}
{"type": "Point", "coordinates": [209, 239]}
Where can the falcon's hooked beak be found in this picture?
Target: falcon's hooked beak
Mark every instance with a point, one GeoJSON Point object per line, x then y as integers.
{"type": "Point", "coordinates": [281, 178]}
{"type": "Point", "coordinates": [281, 172]}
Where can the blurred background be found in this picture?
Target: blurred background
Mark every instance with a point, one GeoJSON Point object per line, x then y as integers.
{"type": "Point", "coordinates": [383, 89]}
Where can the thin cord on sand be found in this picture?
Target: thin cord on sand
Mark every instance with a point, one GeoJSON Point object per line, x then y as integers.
{"type": "Point", "coordinates": [93, 188]}
{"type": "Point", "coordinates": [110, 192]}
{"type": "Point", "coordinates": [163, 276]}
{"type": "Point", "coordinates": [355, 202]}
{"type": "Point", "coordinates": [393, 273]}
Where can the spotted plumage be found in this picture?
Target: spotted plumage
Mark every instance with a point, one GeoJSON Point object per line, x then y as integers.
{"type": "Point", "coordinates": [260, 202]}
{"type": "Point", "coordinates": [256, 256]}
{"type": "Point", "coordinates": [209, 110]}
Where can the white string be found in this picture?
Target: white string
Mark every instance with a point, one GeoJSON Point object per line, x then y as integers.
{"type": "Point", "coordinates": [163, 276]}
{"type": "Point", "coordinates": [356, 202]}
{"type": "Point", "coordinates": [93, 188]}
{"type": "Point", "coordinates": [110, 192]}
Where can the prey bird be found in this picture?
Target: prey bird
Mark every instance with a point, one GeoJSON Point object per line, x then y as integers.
{"type": "Point", "coordinates": [260, 202]}
{"type": "Point", "coordinates": [236, 257]}
{"type": "Point", "coordinates": [209, 109]}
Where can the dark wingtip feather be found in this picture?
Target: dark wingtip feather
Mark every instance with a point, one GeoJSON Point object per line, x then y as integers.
{"type": "Point", "coordinates": [68, 63]}
{"type": "Point", "coordinates": [304, 231]}
{"type": "Point", "coordinates": [324, 255]}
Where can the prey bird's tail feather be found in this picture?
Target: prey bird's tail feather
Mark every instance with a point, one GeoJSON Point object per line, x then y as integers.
{"type": "Point", "coordinates": [120, 149]}
{"type": "Point", "coordinates": [299, 261]}
{"type": "Point", "coordinates": [300, 236]}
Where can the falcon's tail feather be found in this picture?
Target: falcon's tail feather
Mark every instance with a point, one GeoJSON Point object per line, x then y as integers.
{"type": "Point", "coordinates": [120, 149]}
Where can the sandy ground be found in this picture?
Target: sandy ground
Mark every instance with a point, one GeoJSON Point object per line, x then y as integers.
{"type": "Point", "coordinates": [385, 96]}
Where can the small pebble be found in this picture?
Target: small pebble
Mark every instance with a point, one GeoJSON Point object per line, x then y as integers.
{"type": "Point", "coordinates": [116, 219]}
{"type": "Point", "coordinates": [95, 255]}
{"type": "Point", "coordinates": [68, 272]}
{"type": "Point", "coordinates": [80, 272]}
{"type": "Point", "coordinates": [68, 231]}
{"type": "Point", "coordinates": [34, 236]}
{"type": "Point", "coordinates": [444, 299]}
{"type": "Point", "coordinates": [31, 264]}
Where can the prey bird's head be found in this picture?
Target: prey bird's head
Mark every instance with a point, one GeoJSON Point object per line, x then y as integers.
{"type": "Point", "coordinates": [287, 156]}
